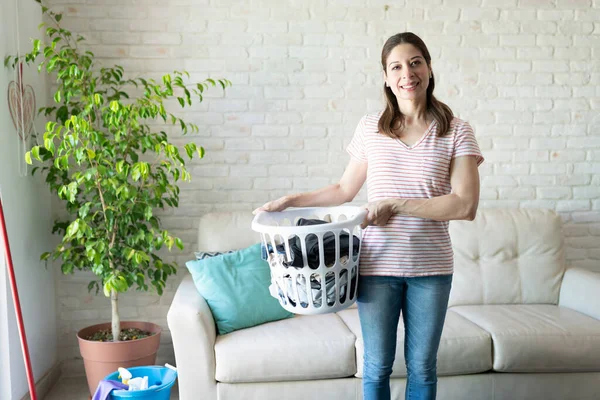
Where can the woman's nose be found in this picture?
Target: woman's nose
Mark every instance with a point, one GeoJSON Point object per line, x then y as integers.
{"type": "Point", "coordinates": [407, 73]}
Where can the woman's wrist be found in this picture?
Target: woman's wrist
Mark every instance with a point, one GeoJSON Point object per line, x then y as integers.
{"type": "Point", "coordinates": [289, 200]}
{"type": "Point", "coordinates": [396, 205]}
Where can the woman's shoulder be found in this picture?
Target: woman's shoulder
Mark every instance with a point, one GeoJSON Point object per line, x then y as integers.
{"type": "Point", "coordinates": [458, 122]}
{"type": "Point", "coordinates": [370, 121]}
{"type": "Point", "coordinates": [458, 125]}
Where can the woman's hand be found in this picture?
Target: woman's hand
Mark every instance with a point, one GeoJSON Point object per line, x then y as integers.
{"type": "Point", "coordinates": [276, 205]}
{"type": "Point", "coordinates": [378, 213]}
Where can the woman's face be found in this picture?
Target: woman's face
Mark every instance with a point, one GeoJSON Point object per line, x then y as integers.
{"type": "Point", "coordinates": [407, 73]}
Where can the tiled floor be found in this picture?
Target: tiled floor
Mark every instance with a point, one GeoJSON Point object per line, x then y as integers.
{"type": "Point", "coordinates": [77, 389]}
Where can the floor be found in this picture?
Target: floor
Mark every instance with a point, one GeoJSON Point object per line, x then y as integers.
{"type": "Point", "coordinates": [76, 389]}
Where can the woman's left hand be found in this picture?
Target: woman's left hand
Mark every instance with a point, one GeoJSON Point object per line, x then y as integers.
{"type": "Point", "coordinates": [378, 213]}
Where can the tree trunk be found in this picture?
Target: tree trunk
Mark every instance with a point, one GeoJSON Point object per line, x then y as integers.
{"type": "Point", "coordinates": [116, 321]}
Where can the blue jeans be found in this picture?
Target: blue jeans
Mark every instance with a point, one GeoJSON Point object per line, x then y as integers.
{"type": "Point", "coordinates": [422, 301]}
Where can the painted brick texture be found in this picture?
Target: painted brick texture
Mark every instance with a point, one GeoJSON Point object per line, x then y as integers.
{"type": "Point", "coordinates": [525, 73]}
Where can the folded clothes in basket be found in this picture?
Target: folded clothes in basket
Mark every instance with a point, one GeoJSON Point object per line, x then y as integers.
{"type": "Point", "coordinates": [312, 247]}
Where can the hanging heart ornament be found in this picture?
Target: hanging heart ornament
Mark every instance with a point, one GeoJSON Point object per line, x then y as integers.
{"type": "Point", "coordinates": [21, 103]}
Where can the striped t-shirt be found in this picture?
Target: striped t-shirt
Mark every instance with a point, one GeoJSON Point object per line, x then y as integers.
{"type": "Point", "coordinates": [409, 246]}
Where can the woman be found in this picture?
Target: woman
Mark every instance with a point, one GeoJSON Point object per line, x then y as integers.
{"type": "Point", "coordinates": [420, 164]}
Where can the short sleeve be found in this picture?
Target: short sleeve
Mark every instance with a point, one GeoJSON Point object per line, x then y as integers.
{"type": "Point", "coordinates": [465, 143]}
{"type": "Point", "coordinates": [356, 148]}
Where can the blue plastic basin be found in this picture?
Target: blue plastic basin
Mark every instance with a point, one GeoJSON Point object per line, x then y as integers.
{"type": "Point", "coordinates": [162, 377]}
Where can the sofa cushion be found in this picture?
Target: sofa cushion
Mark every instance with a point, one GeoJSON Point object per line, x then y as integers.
{"type": "Point", "coordinates": [538, 338]}
{"type": "Point", "coordinates": [236, 288]}
{"type": "Point", "coordinates": [507, 256]}
{"type": "Point", "coordinates": [464, 348]}
{"type": "Point", "coordinates": [201, 255]}
{"type": "Point", "coordinates": [301, 348]}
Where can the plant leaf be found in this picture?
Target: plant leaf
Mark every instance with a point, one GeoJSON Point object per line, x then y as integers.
{"type": "Point", "coordinates": [73, 228]}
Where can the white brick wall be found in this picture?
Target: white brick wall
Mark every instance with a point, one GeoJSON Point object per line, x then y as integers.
{"type": "Point", "coordinates": [523, 72]}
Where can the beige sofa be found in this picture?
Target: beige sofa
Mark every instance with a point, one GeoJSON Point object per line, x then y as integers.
{"type": "Point", "coordinates": [519, 325]}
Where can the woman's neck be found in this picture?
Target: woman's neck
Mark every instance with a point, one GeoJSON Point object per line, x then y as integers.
{"type": "Point", "coordinates": [414, 112]}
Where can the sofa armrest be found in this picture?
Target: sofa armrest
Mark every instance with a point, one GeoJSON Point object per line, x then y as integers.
{"type": "Point", "coordinates": [193, 333]}
{"type": "Point", "coordinates": [580, 291]}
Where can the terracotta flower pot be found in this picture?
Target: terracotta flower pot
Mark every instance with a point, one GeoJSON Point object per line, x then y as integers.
{"type": "Point", "coordinates": [103, 358]}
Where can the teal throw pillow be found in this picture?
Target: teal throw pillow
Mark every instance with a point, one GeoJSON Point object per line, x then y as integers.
{"type": "Point", "coordinates": [236, 288]}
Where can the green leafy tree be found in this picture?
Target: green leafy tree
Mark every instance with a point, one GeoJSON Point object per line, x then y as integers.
{"type": "Point", "coordinates": [101, 155]}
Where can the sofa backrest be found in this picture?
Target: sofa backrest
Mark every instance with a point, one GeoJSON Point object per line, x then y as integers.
{"type": "Point", "coordinates": [504, 256]}
{"type": "Point", "coordinates": [226, 231]}
{"type": "Point", "coordinates": [507, 256]}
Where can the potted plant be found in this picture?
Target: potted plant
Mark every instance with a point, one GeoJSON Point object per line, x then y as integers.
{"type": "Point", "coordinates": [100, 154]}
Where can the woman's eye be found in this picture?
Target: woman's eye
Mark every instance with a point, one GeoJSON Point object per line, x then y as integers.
{"type": "Point", "coordinates": [416, 63]}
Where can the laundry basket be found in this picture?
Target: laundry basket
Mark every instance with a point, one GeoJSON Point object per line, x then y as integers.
{"type": "Point", "coordinates": [314, 268]}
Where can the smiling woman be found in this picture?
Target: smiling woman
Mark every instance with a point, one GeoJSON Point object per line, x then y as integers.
{"type": "Point", "coordinates": [420, 165]}
{"type": "Point", "coordinates": [408, 75]}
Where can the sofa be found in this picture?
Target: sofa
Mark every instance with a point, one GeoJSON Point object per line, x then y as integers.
{"type": "Point", "coordinates": [520, 325]}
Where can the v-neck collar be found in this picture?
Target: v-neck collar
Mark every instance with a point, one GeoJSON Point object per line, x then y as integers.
{"type": "Point", "coordinates": [418, 142]}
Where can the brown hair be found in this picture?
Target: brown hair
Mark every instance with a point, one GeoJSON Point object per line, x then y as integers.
{"type": "Point", "coordinates": [392, 115]}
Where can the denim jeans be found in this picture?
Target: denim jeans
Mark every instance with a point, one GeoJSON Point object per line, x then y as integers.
{"type": "Point", "coordinates": [422, 301]}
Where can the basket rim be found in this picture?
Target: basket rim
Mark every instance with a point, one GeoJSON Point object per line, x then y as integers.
{"type": "Point", "coordinates": [260, 219]}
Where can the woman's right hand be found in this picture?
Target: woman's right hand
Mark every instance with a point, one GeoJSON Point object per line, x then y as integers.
{"type": "Point", "coordinates": [276, 205]}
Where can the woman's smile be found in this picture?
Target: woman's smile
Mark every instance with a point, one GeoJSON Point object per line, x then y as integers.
{"type": "Point", "coordinates": [410, 87]}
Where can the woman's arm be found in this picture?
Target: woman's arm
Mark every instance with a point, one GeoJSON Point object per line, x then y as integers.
{"type": "Point", "coordinates": [344, 191]}
{"type": "Point", "coordinates": [460, 204]}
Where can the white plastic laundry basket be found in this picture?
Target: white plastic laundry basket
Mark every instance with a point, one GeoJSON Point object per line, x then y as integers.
{"type": "Point", "coordinates": [312, 289]}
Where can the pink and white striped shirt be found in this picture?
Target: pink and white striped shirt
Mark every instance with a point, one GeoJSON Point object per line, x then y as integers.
{"type": "Point", "coordinates": [409, 246]}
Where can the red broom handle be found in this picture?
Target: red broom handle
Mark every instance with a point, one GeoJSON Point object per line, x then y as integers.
{"type": "Point", "coordinates": [15, 295]}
